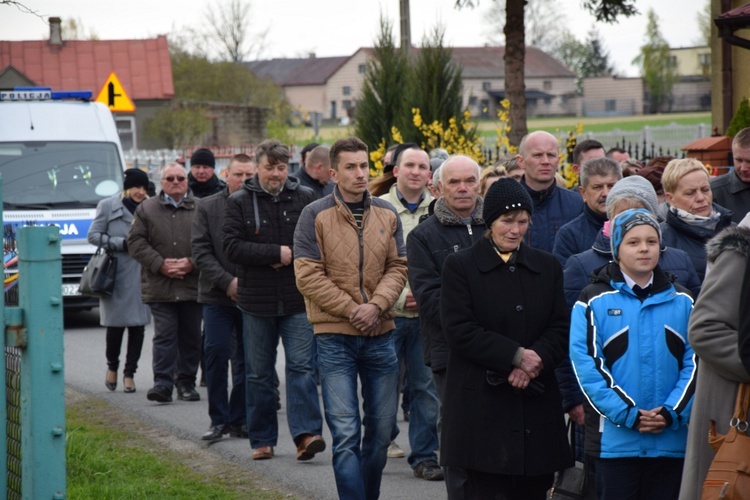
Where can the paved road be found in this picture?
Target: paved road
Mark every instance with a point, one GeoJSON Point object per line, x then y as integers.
{"type": "Point", "coordinates": [85, 367]}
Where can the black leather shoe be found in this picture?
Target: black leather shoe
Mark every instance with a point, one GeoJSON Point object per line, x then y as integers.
{"type": "Point", "coordinates": [187, 393]}
{"type": "Point", "coordinates": [214, 433]}
{"type": "Point", "coordinates": [236, 431]}
{"type": "Point", "coordinates": [160, 394]}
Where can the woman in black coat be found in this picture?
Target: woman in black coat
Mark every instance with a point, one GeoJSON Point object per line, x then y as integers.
{"type": "Point", "coordinates": [506, 323]}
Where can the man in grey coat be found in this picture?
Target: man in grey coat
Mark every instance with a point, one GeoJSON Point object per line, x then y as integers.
{"type": "Point", "coordinates": [159, 239]}
{"type": "Point", "coordinates": [222, 320]}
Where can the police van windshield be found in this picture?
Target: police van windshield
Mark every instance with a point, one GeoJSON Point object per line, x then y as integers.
{"type": "Point", "coordinates": [38, 175]}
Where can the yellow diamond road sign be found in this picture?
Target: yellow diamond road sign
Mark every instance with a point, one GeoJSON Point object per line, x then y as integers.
{"type": "Point", "coordinates": [113, 95]}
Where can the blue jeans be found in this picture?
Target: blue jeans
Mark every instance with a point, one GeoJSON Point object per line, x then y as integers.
{"type": "Point", "coordinates": [261, 336]}
{"type": "Point", "coordinates": [223, 325]}
{"type": "Point", "coordinates": [423, 401]}
{"type": "Point", "coordinates": [358, 462]}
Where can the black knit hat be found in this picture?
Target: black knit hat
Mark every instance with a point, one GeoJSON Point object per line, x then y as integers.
{"type": "Point", "coordinates": [135, 177]}
{"type": "Point", "coordinates": [203, 156]}
{"type": "Point", "coordinates": [505, 195]}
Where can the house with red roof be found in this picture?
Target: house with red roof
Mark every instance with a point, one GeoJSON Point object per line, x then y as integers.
{"type": "Point", "coordinates": [143, 68]}
{"type": "Point", "coordinates": [332, 85]}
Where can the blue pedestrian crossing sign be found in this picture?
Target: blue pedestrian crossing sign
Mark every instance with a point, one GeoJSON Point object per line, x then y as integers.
{"type": "Point", "coordinates": [114, 96]}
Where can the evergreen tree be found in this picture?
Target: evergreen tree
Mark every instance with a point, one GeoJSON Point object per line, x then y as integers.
{"type": "Point", "coordinates": [596, 60]}
{"type": "Point", "coordinates": [740, 120]}
{"type": "Point", "coordinates": [658, 71]}
{"type": "Point", "coordinates": [382, 102]}
{"type": "Point", "coordinates": [435, 83]}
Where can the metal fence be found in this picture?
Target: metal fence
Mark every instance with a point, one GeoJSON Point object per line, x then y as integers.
{"type": "Point", "coordinates": [641, 144]}
{"type": "Point", "coordinates": [33, 440]}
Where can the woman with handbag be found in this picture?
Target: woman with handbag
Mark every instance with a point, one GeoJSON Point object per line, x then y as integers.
{"type": "Point", "coordinates": [124, 309]}
{"type": "Point", "coordinates": [719, 330]}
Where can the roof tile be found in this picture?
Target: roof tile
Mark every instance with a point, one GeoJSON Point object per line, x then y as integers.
{"type": "Point", "coordinates": [143, 66]}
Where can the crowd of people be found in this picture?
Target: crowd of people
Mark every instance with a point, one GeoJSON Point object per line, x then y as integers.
{"type": "Point", "coordinates": [496, 302]}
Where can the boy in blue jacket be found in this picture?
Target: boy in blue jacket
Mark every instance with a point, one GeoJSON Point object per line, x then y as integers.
{"type": "Point", "coordinates": [631, 356]}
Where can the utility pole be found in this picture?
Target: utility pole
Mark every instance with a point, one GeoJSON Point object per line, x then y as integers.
{"type": "Point", "coordinates": [405, 26]}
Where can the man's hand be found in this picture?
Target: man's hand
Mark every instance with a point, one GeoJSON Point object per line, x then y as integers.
{"type": "Point", "coordinates": [410, 304]}
{"type": "Point", "coordinates": [519, 378]}
{"type": "Point", "coordinates": [176, 268]}
{"type": "Point", "coordinates": [531, 363]}
{"type": "Point", "coordinates": [577, 415]}
{"type": "Point", "coordinates": [286, 255]}
{"type": "Point", "coordinates": [651, 421]}
{"type": "Point", "coordinates": [232, 290]}
{"type": "Point", "coordinates": [365, 317]}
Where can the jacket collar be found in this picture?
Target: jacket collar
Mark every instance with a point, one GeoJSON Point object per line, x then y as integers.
{"type": "Point", "coordinates": [736, 184]}
{"type": "Point", "coordinates": [595, 218]}
{"type": "Point", "coordinates": [447, 218]}
{"type": "Point", "coordinates": [611, 273]}
{"type": "Point", "coordinates": [539, 197]}
{"type": "Point", "coordinates": [203, 189]}
{"type": "Point", "coordinates": [188, 202]}
{"type": "Point", "coordinates": [487, 258]}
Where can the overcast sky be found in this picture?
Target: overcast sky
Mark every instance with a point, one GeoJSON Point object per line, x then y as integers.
{"type": "Point", "coordinates": [340, 27]}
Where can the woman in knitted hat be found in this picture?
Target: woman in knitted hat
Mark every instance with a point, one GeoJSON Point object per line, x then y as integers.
{"type": "Point", "coordinates": [124, 308]}
{"type": "Point", "coordinates": [506, 322]}
{"type": "Point", "coordinates": [630, 353]}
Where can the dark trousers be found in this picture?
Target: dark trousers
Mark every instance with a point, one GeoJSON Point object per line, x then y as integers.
{"type": "Point", "coordinates": [114, 344]}
{"type": "Point", "coordinates": [223, 331]}
{"type": "Point", "coordinates": [483, 486]}
{"type": "Point", "coordinates": [456, 478]}
{"type": "Point", "coordinates": [638, 478]}
{"type": "Point", "coordinates": [177, 342]}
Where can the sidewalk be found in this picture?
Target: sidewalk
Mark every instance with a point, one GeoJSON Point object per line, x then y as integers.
{"type": "Point", "coordinates": [85, 367]}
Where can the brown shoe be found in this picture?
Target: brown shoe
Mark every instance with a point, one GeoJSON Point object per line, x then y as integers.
{"type": "Point", "coordinates": [263, 453]}
{"type": "Point", "coordinates": [309, 445]}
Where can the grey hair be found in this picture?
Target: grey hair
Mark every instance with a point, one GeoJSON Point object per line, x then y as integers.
{"type": "Point", "coordinates": [599, 166]}
{"type": "Point", "coordinates": [169, 165]}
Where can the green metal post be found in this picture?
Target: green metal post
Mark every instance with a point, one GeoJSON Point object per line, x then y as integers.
{"type": "Point", "coordinates": [43, 377]}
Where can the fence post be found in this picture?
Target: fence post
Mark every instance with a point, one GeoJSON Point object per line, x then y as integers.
{"type": "Point", "coordinates": [43, 378]}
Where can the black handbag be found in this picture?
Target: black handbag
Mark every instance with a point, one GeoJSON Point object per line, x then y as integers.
{"type": "Point", "coordinates": [98, 278]}
{"type": "Point", "coordinates": [570, 483]}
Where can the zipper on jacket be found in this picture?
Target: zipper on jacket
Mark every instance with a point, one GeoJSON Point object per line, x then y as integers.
{"type": "Point", "coordinates": [362, 263]}
{"type": "Point", "coordinates": [468, 227]}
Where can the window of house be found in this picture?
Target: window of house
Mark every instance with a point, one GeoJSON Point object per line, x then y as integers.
{"type": "Point", "coordinates": [473, 100]}
{"type": "Point", "coordinates": [547, 101]}
{"type": "Point", "coordinates": [361, 69]}
{"type": "Point", "coordinates": [486, 85]}
{"type": "Point", "coordinates": [347, 90]}
{"type": "Point", "coordinates": [126, 131]}
{"type": "Point", "coordinates": [346, 104]}
{"type": "Point", "coordinates": [672, 61]}
{"type": "Point", "coordinates": [610, 105]}
{"type": "Point", "coordinates": [547, 85]}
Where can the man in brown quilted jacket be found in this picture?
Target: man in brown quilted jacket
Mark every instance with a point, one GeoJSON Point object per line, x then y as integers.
{"type": "Point", "coordinates": [350, 265]}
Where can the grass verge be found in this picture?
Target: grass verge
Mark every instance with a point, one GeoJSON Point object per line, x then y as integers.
{"type": "Point", "coordinates": [110, 455]}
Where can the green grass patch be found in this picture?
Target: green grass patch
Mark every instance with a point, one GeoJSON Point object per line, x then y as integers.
{"type": "Point", "coordinates": [487, 128]}
{"type": "Point", "coordinates": [107, 460]}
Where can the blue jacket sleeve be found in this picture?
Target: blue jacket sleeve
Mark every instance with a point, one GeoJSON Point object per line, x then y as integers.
{"type": "Point", "coordinates": [597, 382]}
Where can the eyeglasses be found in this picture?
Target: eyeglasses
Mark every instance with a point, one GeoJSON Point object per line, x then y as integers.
{"type": "Point", "coordinates": [172, 178]}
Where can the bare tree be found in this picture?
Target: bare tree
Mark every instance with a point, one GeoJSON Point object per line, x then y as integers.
{"type": "Point", "coordinates": [703, 18]}
{"type": "Point", "coordinates": [544, 23]}
{"type": "Point", "coordinates": [229, 31]}
{"type": "Point", "coordinates": [74, 29]}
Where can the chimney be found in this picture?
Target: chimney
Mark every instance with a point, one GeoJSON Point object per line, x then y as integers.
{"type": "Point", "coordinates": [55, 31]}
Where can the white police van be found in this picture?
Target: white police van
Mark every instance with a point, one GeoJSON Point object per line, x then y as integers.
{"type": "Point", "coordinates": [59, 156]}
